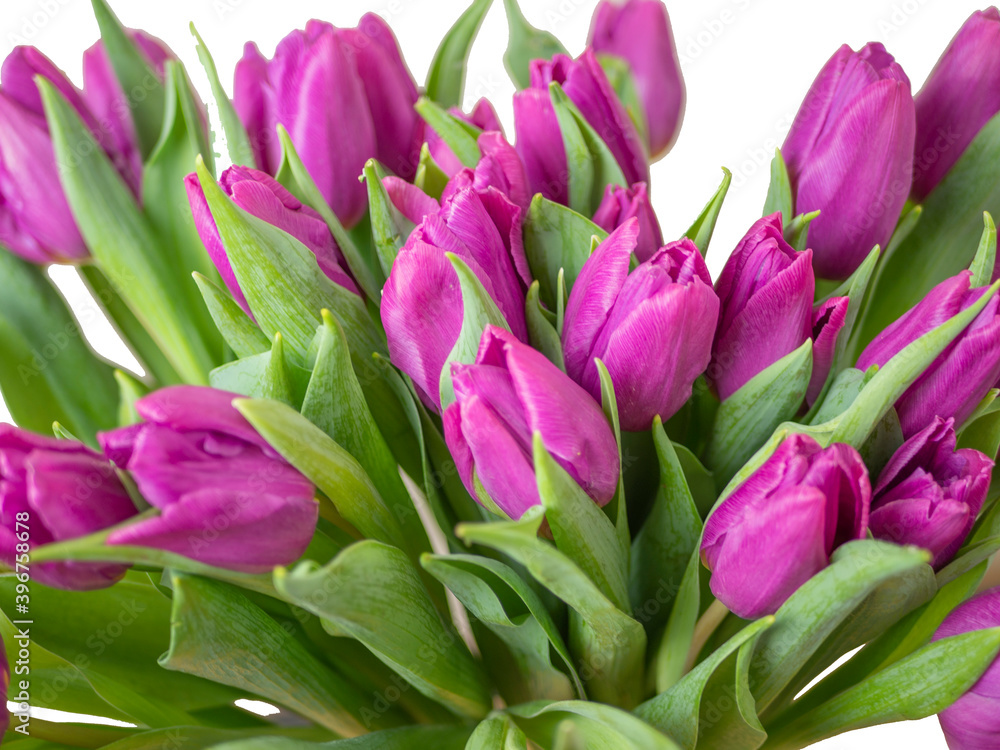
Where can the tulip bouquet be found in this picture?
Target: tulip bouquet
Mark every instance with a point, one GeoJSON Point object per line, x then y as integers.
{"type": "Point", "coordinates": [465, 453]}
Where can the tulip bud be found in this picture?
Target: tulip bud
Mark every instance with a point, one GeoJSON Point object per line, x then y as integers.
{"type": "Point", "coordinates": [262, 196]}
{"type": "Point", "coordinates": [779, 528]}
{"type": "Point", "coordinates": [828, 319]}
{"type": "Point", "coordinates": [638, 31]}
{"type": "Point", "coordinates": [766, 291]}
{"type": "Point", "coordinates": [511, 393]}
{"type": "Point", "coordinates": [621, 204]}
{"type": "Point", "coordinates": [57, 490]}
{"type": "Point", "coordinates": [929, 494]}
{"type": "Point", "coordinates": [344, 95]}
{"type": "Point", "coordinates": [226, 497]}
{"type": "Point", "coordinates": [652, 328]}
{"type": "Point", "coordinates": [539, 140]}
{"type": "Point", "coordinates": [961, 376]}
{"type": "Point", "coordinates": [973, 721]}
{"type": "Point", "coordinates": [961, 95]}
{"type": "Point", "coordinates": [849, 155]}
{"type": "Point", "coordinates": [422, 309]}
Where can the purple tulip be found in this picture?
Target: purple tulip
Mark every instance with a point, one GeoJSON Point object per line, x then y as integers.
{"type": "Point", "coordinates": [779, 528]}
{"type": "Point", "coordinates": [539, 140]}
{"type": "Point", "coordinates": [621, 204]}
{"type": "Point", "coordinates": [226, 497]}
{"type": "Point", "coordinates": [422, 301]}
{"type": "Point", "coordinates": [344, 95]}
{"type": "Point", "coordinates": [828, 319]}
{"type": "Point", "coordinates": [973, 721]}
{"type": "Point", "coordinates": [960, 377]}
{"type": "Point", "coordinates": [262, 196]}
{"type": "Point", "coordinates": [652, 328]}
{"type": "Point", "coordinates": [929, 494]}
{"type": "Point", "coordinates": [850, 155]}
{"type": "Point", "coordinates": [766, 290]}
{"type": "Point", "coordinates": [508, 395]}
{"type": "Point", "coordinates": [57, 490]}
{"type": "Point", "coordinates": [961, 95]}
{"type": "Point", "coordinates": [638, 31]}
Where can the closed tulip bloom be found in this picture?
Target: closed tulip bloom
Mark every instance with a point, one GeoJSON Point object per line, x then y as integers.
{"type": "Point", "coordinates": [225, 496]}
{"type": "Point", "coordinates": [954, 384]}
{"type": "Point", "coordinates": [973, 721]}
{"type": "Point", "coordinates": [344, 95]}
{"type": "Point", "coordinates": [508, 395]}
{"type": "Point", "coordinates": [850, 155]}
{"type": "Point", "coordinates": [638, 31]}
{"type": "Point", "coordinates": [779, 528]}
{"type": "Point", "coordinates": [539, 140]}
{"type": "Point", "coordinates": [961, 95]}
{"type": "Point", "coordinates": [422, 308]}
{"type": "Point", "coordinates": [64, 490]}
{"type": "Point", "coordinates": [621, 204]}
{"type": "Point", "coordinates": [828, 319]}
{"type": "Point", "coordinates": [766, 290]}
{"type": "Point", "coordinates": [929, 493]}
{"type": "Point", "coordinates": [652, 328]}
{"type": "Point", "coordinates": [264, 197]}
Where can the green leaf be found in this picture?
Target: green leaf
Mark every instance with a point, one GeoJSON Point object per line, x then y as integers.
{"type": "Point", "coordinates": [497, 733]}
{"type": "Point", "coordinates": [779, 191]}
{"type": "Point", "coordinates": [616, 510]}
{"type": "Point", "coordinates": [123, 241]}
{"type": "Point", "coordinates": [979, 549]}
{"type": "Point", "coordinates": [986, 255]}
{"type": "Point", "coordinates": [335, 403]}
{"type": "Point", "coordinates": [748, 417]}
{"type": "Point", "coordinates": [591, 165]}
{"type": "Point", "coordinates": [332, 469]}
{"type": "Point", "coordinates": [373, 593]}
{"type": "Point", "coordinates": [819, 607]}
{"type": "Point", "coordinates": [524, 44]}
{"type": "Point", "coordinates": [619, 75]}
{"type": "Point", "coordinates": [202, 738]}
{"type": "Point", "coordinates": [580, 529]}
{"type": "Point", "coordinates": [146, 96]}
{"type": "Point", "coordinates": [680, 711]}
{"type": "Point", "coordinates": [282, 282]}
{"type": "Point", "coordinates": [501, 601]}
{"type": "Point", "coordinates": [241, 333]}
{"type": "Point", "coordinates": [389, 227]}
{"type": "Point", "coordinates": [237, 141]}
{"type": "Point", "coordinates": [457, 134]}
{"type": "Point", "coordinates": [541, 328]}
{"type": "Point", "coordinates": [430, 177]}
{"type": "Point", "coordinates": [797, 230]}
{"type": "Point", "coordinates": [675, 643]}
{"type": "Point", "coordinates": [699, 479]}
{"type": "Point", "coordinates": [363, 268]}
{"type": "Point", "coordinates": [920, 685]}
{"type": "Point", "coordinates": [264, 375]}
{"type": "Point", "coordinates": [701, 231]}
{"type": "Point", "coordinates": [950, 229]}
{"type": "Point", "coordinates": [130, 390]}
{"type": "Point", "coordinates": [48, 372]}
{"type": "Point", "coordinates": [603, 727]}
{"type": "Point", "coordinates": [478, 311]}
{"type": "Point", "coordinates": [446, 77]}
{"type": "Point", "coordinates": [663, 547]}
{"type": "Point", "coordinates": [218, 633]}
{"type": "Point", "coordinates": [556, 238]}
{"type": "Point", "coordinates": [404, 738]}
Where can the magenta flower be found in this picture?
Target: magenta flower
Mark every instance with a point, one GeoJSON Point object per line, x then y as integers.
{"type": "Point", "coordinates": [652, 328]}
{"type": "Point", "coordinates": [638, 31]}
{"type": "Point", "coordinates": [779, 528]}
{"type": "Point", "coordinates": [621, 204]}
{"type": "Point", "coordinates": [508, 395]}
{"type": "Point", "coordinates": [539, 140]}
{"type": "Point", "coordinates": [226, 497]}
{"type": "Point", "coordinates": [344, 95]}
{"type": "Point", "coordinates": [961, 95]}
{"type": "Point", "coordinates": [929, 494]}
{"type": "Point", "coordinates": [973, 721]}
{"type": "Point", "coordinates": [261, 195]}
{"type": "Point", "coordinates": [849, 155]}
{"type": "Point", "coordinates": [422, 302]}
{"type": "Point", "coordinates": [961, 376]}
{"type": "Point", "coordinates": [58, 490]}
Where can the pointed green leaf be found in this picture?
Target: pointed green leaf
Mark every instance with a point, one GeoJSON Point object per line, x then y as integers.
{"type": "Point", "coordinates": [130, 390]}
{"type": "Point", "coordinates": [701, 231]}
{"type": "Point", "coordinates": [389, 227]}
{"type": "Point", "coordinates": [856, 290]}
{"type": "Point", "coordinates": [373, 593]}
{"type": "Point", "coordinates": [779, 191]}
{"type": "Point", "coordinates": [497, 733]}
{"type": "Point", "coordinates": [446, 77]}
{"type": "Point", "coordinates": [541, 329]}
{"type": "Point", "coordinates": [241, 333]}
{"type": "Point", "coordinates": [986, 255]}
{"type": "Point", "coordinates": [602, 727]}
{"type": "Point", "coordinates": [459, 136]}
{"type": "Point", "coordinates": [617, 509]}
{"type": "Point", "coordinates": [430, 177]}
{"type": "Point", "coordinates": [524, 44]}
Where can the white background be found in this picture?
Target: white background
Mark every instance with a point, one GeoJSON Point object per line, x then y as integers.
{"type": "Point", "coordinates": [747, 64]}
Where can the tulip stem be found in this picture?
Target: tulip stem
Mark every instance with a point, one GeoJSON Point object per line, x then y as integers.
{"type": "Point", "coordinates": [703, 629]}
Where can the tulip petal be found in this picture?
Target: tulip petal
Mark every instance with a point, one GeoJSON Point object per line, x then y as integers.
{"type": "Point", "coordinates": [250, 81]}
{"type": "Point", "coordinates": [409, 200]}
{"type": "Point", "coordinates": [540, 146]}
{"type": "Point", "coordinates": [828, 320]}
